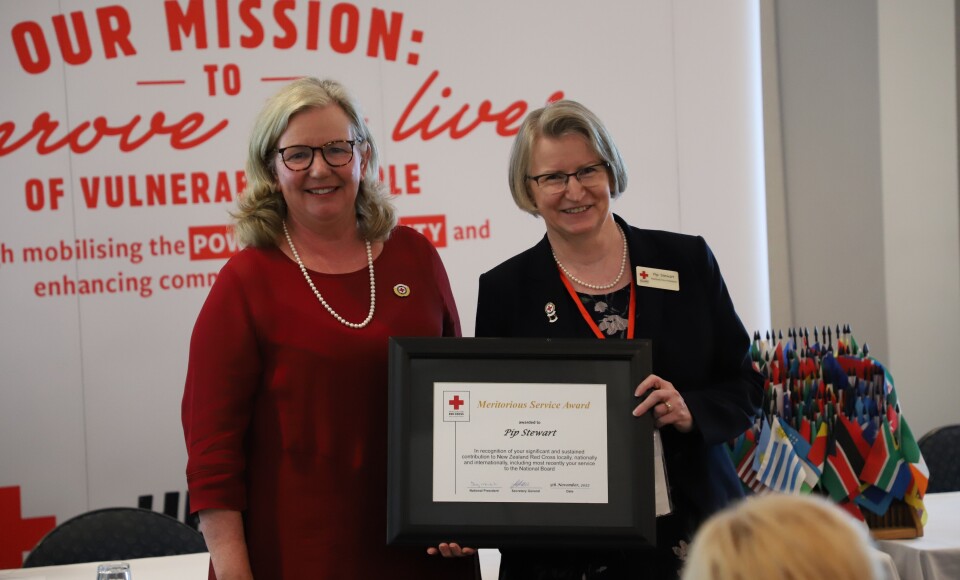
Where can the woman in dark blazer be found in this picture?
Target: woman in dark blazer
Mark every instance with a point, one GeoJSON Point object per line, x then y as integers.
{"type": "Point", "coordinates": [578, 281]}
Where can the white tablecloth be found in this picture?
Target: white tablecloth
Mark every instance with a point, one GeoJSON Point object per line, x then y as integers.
{"type": "Point", "coordinates": [188, 567]}
{"type": "Point", "coordinates": [935, 556]}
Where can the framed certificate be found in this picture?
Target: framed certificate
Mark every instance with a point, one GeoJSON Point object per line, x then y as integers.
{"type": "Point", "coordinates": [509, 442]}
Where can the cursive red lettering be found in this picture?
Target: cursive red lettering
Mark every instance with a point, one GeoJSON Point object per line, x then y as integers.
{"type": "Point", "coordinates": [190, 131]}
{"type": "Point", "coordinates": [483, 114]}
{"type": "Point", "coordinates": [399, 133]}
{"type": "Point", "coordinates": [78, 147]}
{"type": "Point", "coordinates": [458, 125]}
{"type": "Point", "coordinates": [8, 127]}
{"type": "Point", "coordinates": [179, 138]}
{"type": "Point", "coordinates": [510, 115]}
{"type": "Point", "coordinates": [47, 132]}
{"type": "Point", "coordinates": [126, 130]}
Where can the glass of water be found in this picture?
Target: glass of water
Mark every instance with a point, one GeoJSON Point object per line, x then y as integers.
{"type": "Point", "coordinates": [119, 571]}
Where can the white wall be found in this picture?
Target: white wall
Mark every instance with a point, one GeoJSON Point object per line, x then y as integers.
{"type": "Point", "coordinates": [829, 106]}
{"type": "Point", "coordinates": [866, 170]}
{"type": "Point", "coordinates": [918, 120]}
{"type": "Point", "coordinates": [720, 143]}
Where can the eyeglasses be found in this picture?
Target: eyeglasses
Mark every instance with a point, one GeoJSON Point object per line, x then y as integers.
{"type": "Point", "coordinates": [554, 183]}
{"type": "Point", "coordinates": [335, 153]}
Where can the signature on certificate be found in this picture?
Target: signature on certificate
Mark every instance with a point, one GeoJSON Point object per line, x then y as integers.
{"type": "Point", "coordinates": [520, 483]}
{"type": "Point", "coordinates": [484, 484]}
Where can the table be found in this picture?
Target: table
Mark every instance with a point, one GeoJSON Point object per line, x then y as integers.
{"type": "Point", "coordinates": [186, 567]}
{"type": "Point", "coordinates": [936, 555]}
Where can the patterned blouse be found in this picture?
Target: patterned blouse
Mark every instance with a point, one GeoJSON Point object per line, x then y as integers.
{"type": "Point", "coordinates": [609, 311]}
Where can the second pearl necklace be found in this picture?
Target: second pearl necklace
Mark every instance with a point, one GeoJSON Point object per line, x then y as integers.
{"type": "Point", "coordinates": [623, 265]}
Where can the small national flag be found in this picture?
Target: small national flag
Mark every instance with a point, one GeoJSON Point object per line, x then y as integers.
{"type": "Point", "coordinates": [763, 445]}
{"type": "Point", "coordinates": [818, 451]}
{"type": "Point", "coordinates": [914, 499]}
{"type": "Point", "coordinates": [921, 476]}
{"type": "Point", "coordinates": [833, 373]}
{"type": "Point", "coordinates": [742, 446]}
{"type": "Point", "coordinates": [884, 461]}
{"type": "Point", "coordinates": [907, 442]}
{"type": "Point", "coordinates": [839, 477]}
{"type": "Point", "coordinates": [852, 509]}
{"type": "Point", "coordinates": [874, 499]}
{"type": "Point", "coordinates": [811, 470]}
{"type": "Point", "coordinates": [902, 481]}
{"type": "Point", "coordinates": [748, 475]}
{"type": "Point", "coordinates": [805, 428]}
{"type": "Point", "coordinates": [849, 436]}
{"type": "Point", "coordinates": [780, 468]}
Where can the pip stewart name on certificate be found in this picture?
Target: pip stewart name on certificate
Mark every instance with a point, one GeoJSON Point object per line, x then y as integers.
{"type": "Point", "coordinates": [520, 442]}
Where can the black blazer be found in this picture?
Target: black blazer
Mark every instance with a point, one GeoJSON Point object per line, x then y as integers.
{"type": "Point", "coordinates": [699, 345]}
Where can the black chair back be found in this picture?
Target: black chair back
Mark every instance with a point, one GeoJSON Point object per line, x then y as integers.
{"type": "Point", "coordinates": [112, 534]}
{"type": "Point", "coordinates": [941, 450]}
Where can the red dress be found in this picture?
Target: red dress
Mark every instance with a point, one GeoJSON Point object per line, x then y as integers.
{"type": "Point", "coordinates": [285, 409]}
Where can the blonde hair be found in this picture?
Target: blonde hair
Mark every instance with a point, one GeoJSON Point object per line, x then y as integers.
{"type": "Point", "coordinates": [564, 117]}
{"type": "Point", "coordinates": [261, 208]}
{"type": "Point", "coordinates": [782, 537]}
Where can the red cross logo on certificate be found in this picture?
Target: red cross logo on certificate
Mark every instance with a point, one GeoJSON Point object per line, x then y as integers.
{"type": "Point", "coordinates": [456, 401]}
{"type": "Point", "coordinates": [644, 275]}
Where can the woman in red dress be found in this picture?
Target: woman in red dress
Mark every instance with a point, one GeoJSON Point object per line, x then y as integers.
{"type": "Point", "coordinates": [284, 409]}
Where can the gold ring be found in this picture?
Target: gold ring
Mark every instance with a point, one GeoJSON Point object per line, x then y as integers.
{"type": "Point", "coordinates": [668, 406]}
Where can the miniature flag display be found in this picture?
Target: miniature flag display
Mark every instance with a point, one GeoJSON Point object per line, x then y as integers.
{"type": "Point", "coordinates": [831, 423]}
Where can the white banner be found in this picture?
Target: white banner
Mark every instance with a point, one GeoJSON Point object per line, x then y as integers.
{"type": "Point", "coordinates": [122, 144]}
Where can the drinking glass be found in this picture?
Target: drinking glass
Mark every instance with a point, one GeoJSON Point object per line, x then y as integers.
{"type": "Point", "coordinates": [119, 571]}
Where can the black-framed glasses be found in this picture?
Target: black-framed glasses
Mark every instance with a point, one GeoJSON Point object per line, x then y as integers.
{"type": "Point", "coordinates": [554, 183]}
{"type": "Point", "coordinates": [335, 154]}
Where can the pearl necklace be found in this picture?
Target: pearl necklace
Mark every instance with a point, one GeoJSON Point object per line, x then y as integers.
{"type": "Point", "coordinates": [623, 266]}
{"type": "Point", "coordinates": [373, 285]}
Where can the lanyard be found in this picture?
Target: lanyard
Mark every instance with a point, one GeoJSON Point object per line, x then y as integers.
{"type": "Point", "coordinates": [586, 315]}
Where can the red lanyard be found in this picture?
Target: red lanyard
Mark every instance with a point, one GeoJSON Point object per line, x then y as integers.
{"type": "Point", "coordinates": [586, 315]}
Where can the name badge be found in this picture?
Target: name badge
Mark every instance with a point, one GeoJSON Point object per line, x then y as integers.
{"type": "Point", "coordinates": [656, 278]}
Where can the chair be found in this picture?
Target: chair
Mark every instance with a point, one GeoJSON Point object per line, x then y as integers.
{"type": "Point", "coordinates": [111, 534]}
{"type": "Point", "coordinates": [941, 450]}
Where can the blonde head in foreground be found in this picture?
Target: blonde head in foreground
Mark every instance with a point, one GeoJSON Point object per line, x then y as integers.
{"type": "Point", "coordinates": [782, 537]}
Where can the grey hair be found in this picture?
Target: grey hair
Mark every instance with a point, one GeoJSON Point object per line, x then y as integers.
{"type": "Point", "coordinates": [560, 118]}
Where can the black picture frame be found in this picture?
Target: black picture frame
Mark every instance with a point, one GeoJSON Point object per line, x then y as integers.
{"type": "Point", "coordinates": [627, 519]}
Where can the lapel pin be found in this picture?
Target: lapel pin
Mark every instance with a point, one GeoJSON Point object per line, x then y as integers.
{"type": "Point", "coordinates": [401, 290]}
{"type": "Point", "coordinates": [551, 310]}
